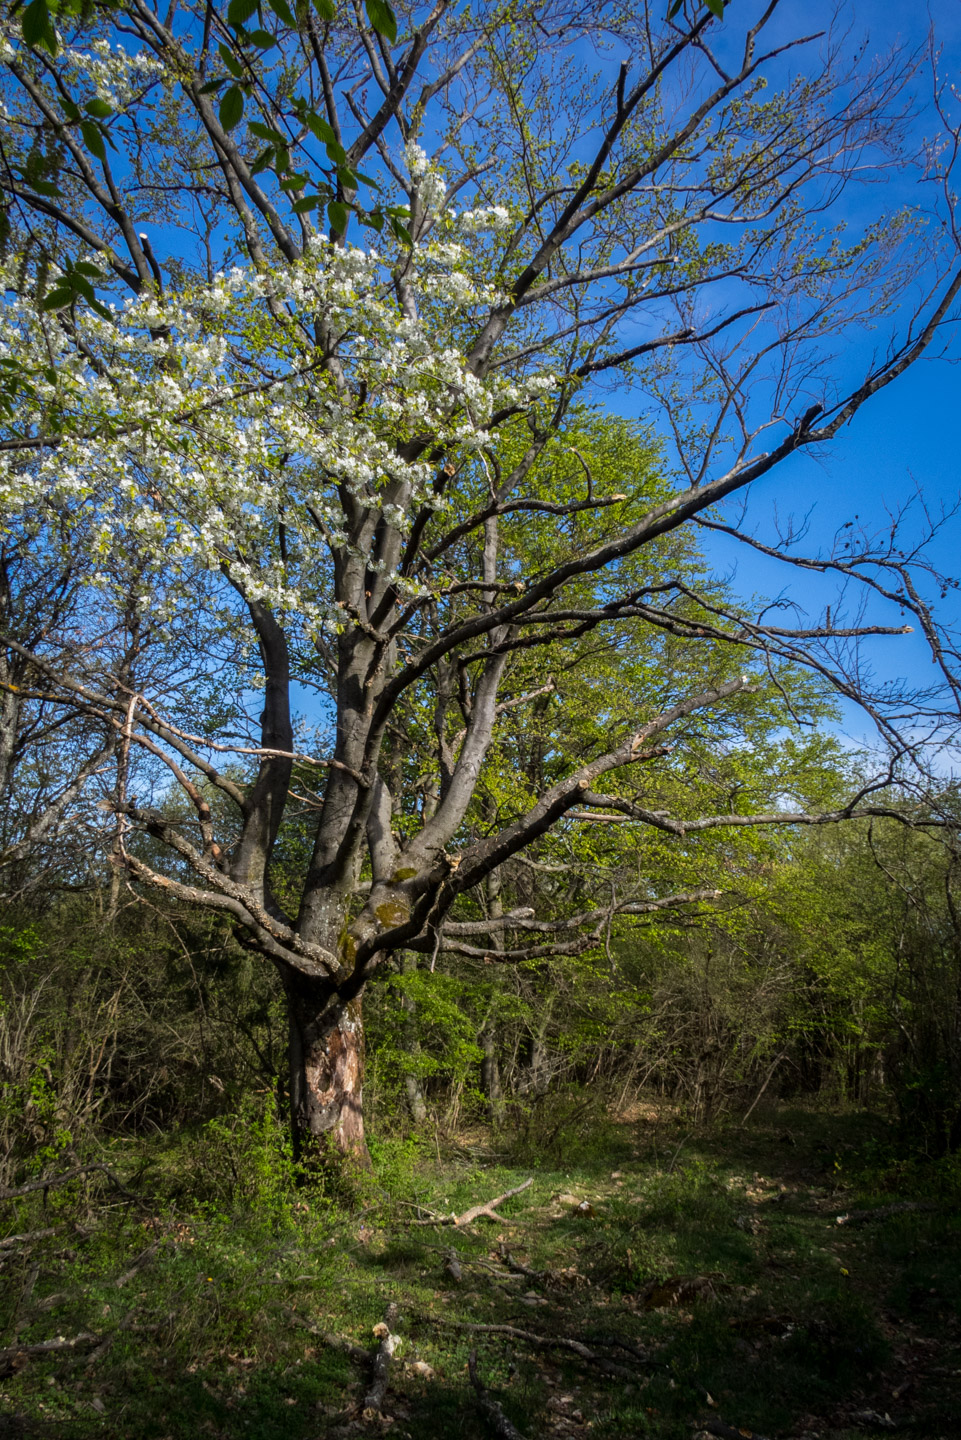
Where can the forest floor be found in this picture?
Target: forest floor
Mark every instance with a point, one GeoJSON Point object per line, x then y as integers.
{"type": "Point", "coordinates": [649, 1283]}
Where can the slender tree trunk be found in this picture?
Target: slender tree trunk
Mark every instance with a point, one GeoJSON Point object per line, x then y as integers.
{"type": "Point", "coordinates": [415, 1092]}
{"type": "Point", "coordinates": [326, 1059]}
{"type": "Point", "coordinates": [490, 1072]}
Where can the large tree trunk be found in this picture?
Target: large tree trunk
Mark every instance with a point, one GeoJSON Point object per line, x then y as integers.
{"type": "Point", "coordinates": [326, 1058]}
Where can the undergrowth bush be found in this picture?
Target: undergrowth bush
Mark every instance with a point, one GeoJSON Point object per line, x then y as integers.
{"type": "Point", "coordinates": [242, 1161]}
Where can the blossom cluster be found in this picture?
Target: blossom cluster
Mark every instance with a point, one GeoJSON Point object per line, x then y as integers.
{"type": "Point", "coordinates": [197, 425]}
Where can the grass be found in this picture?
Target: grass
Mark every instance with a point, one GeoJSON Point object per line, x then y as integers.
{"type": "Point", "coordinates": [788, 1323]}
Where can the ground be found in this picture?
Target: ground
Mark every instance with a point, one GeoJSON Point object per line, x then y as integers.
{"type": "Point", "coordinates": [712, 1280]}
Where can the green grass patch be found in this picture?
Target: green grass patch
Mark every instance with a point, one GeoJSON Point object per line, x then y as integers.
{"type": "Point", "coordinates": [709, 1274]}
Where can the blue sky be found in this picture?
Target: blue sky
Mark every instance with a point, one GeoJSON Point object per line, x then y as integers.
{"type": "Point", "coordinates": [906, 439]}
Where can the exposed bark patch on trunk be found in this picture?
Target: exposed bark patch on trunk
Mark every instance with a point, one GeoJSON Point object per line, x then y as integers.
{"type": "Point", "coordinates": [326, 1075]}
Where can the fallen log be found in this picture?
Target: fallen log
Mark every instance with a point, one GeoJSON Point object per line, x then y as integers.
{"type": "Point", "coordinates": [486, 1209]}
{"type": "Point", "coordinates": [491, 1409]}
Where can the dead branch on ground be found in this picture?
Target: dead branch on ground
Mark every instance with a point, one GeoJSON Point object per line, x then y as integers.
{"type": "Point", "coordinates": [357, 1353]}
{"type": "Point", "coordinates": [54, 1180]}
{"type": "Point", "coordinates": [485, 1209]}
{"type": "Point", "coordinates": [16, 1356]}
{"type": "Point", "coordinates": [546, 1342]}
{"type": "Point", "coordinates": [490, 1408]}
{"type": "Point", "coordinates": [9, 1241]}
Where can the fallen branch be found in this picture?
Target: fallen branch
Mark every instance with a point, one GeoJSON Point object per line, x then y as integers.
{"type": "Point", "coordinates": [27, 1239]}
{"type": "Point", "coordinates": [54, 1180]}
{"type": "Point", "coordinates": [518, 1268]}
{"type": "Point", "coordinates": [487, 1208]}
{"type": "Point", "coordinates": [374, 1399]}
{"type": "Point", "coordinates": [490, 1408]}
{"type": "Point", "coordinates": [881, 1212]}
{"type": "Point", "coordinates": [129, 1323]}
{"type": "Point", "coordinates": [16, 1356]}
{"type": "Point", "coordinates": [143, 1259]}
{"type": "Point", "coordinates": [357, 1353]}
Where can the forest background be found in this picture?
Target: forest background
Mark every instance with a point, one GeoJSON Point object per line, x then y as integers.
{"type": "Point", "coordinates": [770, 916]}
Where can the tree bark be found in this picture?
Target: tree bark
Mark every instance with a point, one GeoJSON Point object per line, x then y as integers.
{"type": "Point", "coordinates": [326, 1060]}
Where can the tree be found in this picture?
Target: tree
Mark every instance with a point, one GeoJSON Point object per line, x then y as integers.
{"type": "Point", "coordinates": [349, 453]}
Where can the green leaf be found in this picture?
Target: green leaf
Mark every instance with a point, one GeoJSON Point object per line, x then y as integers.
{"type": "Point", "coordinates": [232, 108]}
{"type": "Point", "coordinates": [99, 109]}
{"type": "Point", "coordinates": [230, 61]}
{"type": "Point", "coordinates": [262, 162]}
{"type": "Point", "coordinates": [85, 267]}
{"type": "Point", "coordinates": [283, 12]}
{"type": "Point", "coordinates": [318, 127]}
{"type": "Point", "coordinates": [336, 154]}
{"type": "Point", "coordinates": [213, 85]}
{"type": "Point", "coordinates": [240, 11]}
{"type": "Point", "coordinates": [36, 27]}
{"type": "Point", "coordinates": [93, 139]}
{"type": "Point", "coordinates": [307, 202]}
{"type": "Point", "coordinates": [265, 132]}
{"type": "Point", "coordinates": [382, 18]}
{"type": "Point", "coordinates": [339, 215]}
{"type": "Point", "coordinates": [295, 182]}
{"type": "Point", "coordinates": [400, 230]}
{"type": "Point", "coordinates": [716, 7]}
{"type": "Point", "coordinates": [58, 298]}
{"type": "Point", "coordinates": [41, 187]}
{"type": "Point", "coordinates": [261, 38]}
{"type": "Point", "coordinates": [82, 287]}
{"type": "Point", "coordinates": [325, 9]}
{"type": "Point", "coordinates": [71, 110]}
